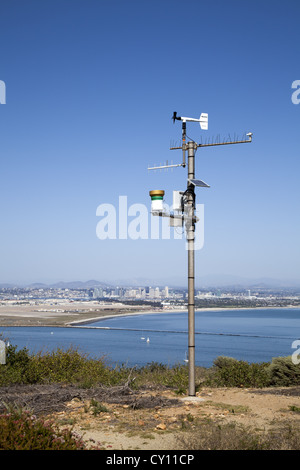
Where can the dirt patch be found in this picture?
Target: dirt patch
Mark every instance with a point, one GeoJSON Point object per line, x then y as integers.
{"type": "Point", "coordinates": [151, 418]}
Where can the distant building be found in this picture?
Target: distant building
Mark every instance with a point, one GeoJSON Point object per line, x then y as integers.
{"type": "Point", "coordinates": [151, 293]}
{"type": "Point", "coordinates": [97, 293]}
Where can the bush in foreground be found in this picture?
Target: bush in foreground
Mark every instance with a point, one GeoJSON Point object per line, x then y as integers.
{"type": "Point", "coordinates": [22, 431]}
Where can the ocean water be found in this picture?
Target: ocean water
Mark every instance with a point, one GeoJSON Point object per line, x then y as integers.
{"type": "Point", "coordinates": [253, 335]}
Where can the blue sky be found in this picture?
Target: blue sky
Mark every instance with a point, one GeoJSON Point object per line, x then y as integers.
{"type": "Point", "coordinates": [90, 90]}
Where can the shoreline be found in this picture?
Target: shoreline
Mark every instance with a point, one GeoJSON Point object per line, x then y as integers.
{"type": "Point", "coordinates": [157, 312]}
{"type": "Point", "coordinates": [70, 319]}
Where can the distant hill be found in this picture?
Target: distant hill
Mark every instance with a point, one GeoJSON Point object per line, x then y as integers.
{"type": "Point", "coordinates": [202, 282]}
{"type": "Point", "coordinates": [37, 285]}
{"type": "Point", "coordinates": [5, 285]}
{"type": "Point", "coordinates": [57, 285]}
{"type": "Point", "coordinates": [78, 284]}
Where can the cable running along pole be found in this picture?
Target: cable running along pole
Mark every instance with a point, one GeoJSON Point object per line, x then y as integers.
{"type": "Point", "coordinates": [191, 204]}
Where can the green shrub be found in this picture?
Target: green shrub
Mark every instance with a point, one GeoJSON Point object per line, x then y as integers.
{"type": "Point", "coordinates": [161, 374]}
{"type": "Point", "coordinates": [230, 372]}
{"type": "Point", "coordinates": [224, 361]}
{"type": "Point", "coordinates": [17, 362]}
{"type": "Point", "coordinates": [97, 407]}
{"type": "Point", "coordinates": [282, 372]}
{"type": "Point", "coordinates": [69, 366]}
{"type": "Point", "coordinates": [15, 358]}
{"type": "Point", "coordinates": [59, 366]}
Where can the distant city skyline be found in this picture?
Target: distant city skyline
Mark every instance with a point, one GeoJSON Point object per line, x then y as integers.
{"type": "Point", "coordinates": [90, 295]}
{"type": "Point", "coordinates": [207, 282]}
{"type": "Point", "coordinates": [90, 90]}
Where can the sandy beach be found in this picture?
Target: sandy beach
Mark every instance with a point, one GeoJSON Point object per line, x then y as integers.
{"type": "Point", "coordinates": [66, 313]}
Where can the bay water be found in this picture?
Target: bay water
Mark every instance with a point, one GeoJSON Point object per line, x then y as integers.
{"type": "Point", "coordinates": [253, 335]}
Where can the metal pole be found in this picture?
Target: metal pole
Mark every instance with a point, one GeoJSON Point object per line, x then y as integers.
{"type": "Point", "coordinates": [191, 267]}
{"type": "Point", "coordinates": [189, 212]}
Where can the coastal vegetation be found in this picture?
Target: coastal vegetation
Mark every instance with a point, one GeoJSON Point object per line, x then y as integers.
{"type": "Point", "coordinates": [21, 430]}
{"type": "Point", "coordinates": [70, 366]}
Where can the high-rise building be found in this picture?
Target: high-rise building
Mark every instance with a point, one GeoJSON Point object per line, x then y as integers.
{"type": "Point", "coordinates": [98, 292]}
{"type": "Point", "coordinates": [151, 293]}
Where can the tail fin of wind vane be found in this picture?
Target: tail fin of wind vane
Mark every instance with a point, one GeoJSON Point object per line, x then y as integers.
{"type": "Point", "coordinates": [204, 121]}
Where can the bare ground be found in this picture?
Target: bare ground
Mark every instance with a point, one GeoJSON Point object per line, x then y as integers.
{"type": "Point", "coordinates": [119, 418]}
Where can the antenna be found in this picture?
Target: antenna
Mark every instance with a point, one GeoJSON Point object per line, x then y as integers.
{"type": "Point", "coordinates": [163, 166]}
{"type": "Point", "coordinates": [185, 213]}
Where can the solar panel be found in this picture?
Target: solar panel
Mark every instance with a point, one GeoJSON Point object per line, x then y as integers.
{"type": "Point", "coordinates": [199, 183]}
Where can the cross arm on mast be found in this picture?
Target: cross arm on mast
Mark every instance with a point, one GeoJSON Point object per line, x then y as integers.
{"type": "Point", "coordinates": [214, 144]}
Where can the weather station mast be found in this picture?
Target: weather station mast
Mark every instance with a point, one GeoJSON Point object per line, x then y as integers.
{"type": "Point", "coordinates": [184, 205]}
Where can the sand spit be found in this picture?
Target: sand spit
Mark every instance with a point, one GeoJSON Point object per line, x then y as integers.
{"type": "Point", "coordinates": [58, 313]}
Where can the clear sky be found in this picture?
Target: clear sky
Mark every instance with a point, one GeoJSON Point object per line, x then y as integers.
{"type": "Point", "coordinates": [91, 86]}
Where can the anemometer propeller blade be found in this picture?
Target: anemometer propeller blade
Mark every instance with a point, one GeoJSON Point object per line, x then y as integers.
{"type": "Point", "coordinates": [175, 117]}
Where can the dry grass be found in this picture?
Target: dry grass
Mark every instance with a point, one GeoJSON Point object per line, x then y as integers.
{"type": "Point", "coordinates": [209, 435]}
